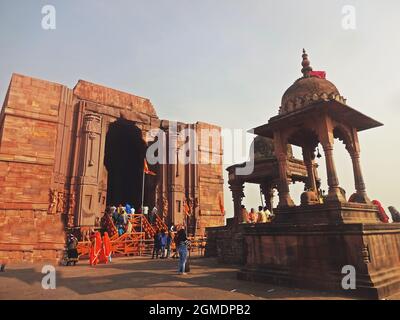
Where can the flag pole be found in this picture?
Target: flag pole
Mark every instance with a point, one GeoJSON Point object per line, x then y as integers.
{"type": "Point", "coordinates": [142, 213]}
{"type": "Point", "coordinates": [142, 206]}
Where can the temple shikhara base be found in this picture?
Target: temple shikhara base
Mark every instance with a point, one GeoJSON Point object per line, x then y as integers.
{"type": "Point", "coordinates": [312, 245]}
{"type": "Point", "coordinates": [67, 154]}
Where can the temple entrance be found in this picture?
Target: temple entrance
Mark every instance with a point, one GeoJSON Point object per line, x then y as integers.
{"type": "Point", "coordinates": [125, 151]}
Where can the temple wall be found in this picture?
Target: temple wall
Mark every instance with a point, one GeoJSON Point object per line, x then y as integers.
{"type": "Point", "coordinates": [210, 179]}
{"type": "Point", "coordinates": [226, 243]}
{"type": "Point", "coordinates": [27, 153]}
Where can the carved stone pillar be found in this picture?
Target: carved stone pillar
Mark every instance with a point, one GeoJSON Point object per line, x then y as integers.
{"type": "Point", "coordinates": [361, 194]}
{"type": "Point", "coordinates": [268, 192]}
{"type": "Point", "coordinates": [280, 146]}
{"type": "Point", "coordinates": [284, 194]}
{"type": "Point", "coordinates": [334, 193]}
{"type": "Point", "coordinates": [175, 177]}
{"type": "Point", "coordinates": [90, 160]}
{"type": "Point", "coordinates": [309, 162]}
{"type": "Point", "coordinates": [237, 196]}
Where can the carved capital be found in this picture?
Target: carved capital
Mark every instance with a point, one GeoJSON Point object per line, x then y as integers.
{"type": "Point", "coordinates": [328, 147]}
{"type": "Point", "coordinates": [237, 191]}
{"type": "Point", "coordinates": [92, 124]}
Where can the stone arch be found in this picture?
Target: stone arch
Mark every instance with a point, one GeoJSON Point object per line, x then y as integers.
{"type": "Point", "coordinates": [124, 158]}
{"type": "Point", "coordinates": [343, 134]}
{"type": "Point", "coordinates": [302, 136]}
{"type": "Point", "coordinates": [349, 138]}
{"type": "Point", "coordinates": [307, 139]}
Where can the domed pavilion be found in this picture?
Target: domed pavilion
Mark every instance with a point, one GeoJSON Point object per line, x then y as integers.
{"type": "Point", "coordinates": [310, 245]}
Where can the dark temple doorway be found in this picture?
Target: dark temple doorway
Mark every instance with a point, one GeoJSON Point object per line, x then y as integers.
{"type": "Point", "coordinates": [125, 151]}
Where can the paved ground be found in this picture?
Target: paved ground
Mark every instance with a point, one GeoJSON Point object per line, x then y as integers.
{"type": "Point", "coordinates": [143, 278]}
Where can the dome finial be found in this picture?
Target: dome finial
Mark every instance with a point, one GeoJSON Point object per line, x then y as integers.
{"type": "Point", "coordinates": [306, 65]}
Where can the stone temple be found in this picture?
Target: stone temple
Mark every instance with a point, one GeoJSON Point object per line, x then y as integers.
{"type": "Point", "coordinates": [66, 154]}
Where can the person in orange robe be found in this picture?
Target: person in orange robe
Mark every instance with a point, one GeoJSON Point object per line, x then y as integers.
{"type": "Point", "coordinates": [105, 255]}
{"type": "Point", "coordinates": [382, 214]}
{"type": "Point", "coordinates": [95, 249]}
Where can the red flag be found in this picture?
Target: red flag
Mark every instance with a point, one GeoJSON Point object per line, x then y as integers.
{"type": "Point", "coordinates": [318, 74]}
{"type": "Point", "coordinates": [147, 170]}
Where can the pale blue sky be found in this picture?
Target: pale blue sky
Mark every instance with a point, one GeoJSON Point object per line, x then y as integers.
{"type": "Point", "coordinates": [224, 62]}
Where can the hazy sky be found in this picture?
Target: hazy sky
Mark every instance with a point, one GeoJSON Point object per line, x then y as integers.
{"type": "Point", "coordinates": [227, 62]}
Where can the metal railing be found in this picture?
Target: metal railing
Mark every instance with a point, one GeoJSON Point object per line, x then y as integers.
{"type": "Point", "coordinates": [135, 244]}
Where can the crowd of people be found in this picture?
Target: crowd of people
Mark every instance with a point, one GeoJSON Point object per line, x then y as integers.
{"type": "Point", "coordinates": [171, 243]}
{"type": "Point", "coordinates": [162, 244]}
{"type": "Point", "coordinates": [263, 215]}
{"type": "Point", "coordinates": [121, 216]}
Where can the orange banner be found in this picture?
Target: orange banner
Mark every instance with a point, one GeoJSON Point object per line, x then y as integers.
{"type": "Point", "coordinates": [147, 170]}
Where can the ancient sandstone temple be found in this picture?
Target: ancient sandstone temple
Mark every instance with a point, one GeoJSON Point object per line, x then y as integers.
{"type": "Point", "coordinates": [65, 154]}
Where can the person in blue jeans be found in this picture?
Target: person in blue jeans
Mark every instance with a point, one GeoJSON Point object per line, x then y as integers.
{"type": "Point", "coordinates": [163, 243]}
{"type": "Point", "coordinates": [181, 243]}
{"type": "Point", "coordinates": [169, 241]}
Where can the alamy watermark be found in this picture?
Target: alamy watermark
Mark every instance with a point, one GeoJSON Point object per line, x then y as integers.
{"type": "Point", "coordinates": [200, 146]}
{"type": "Point", "coordinates": [349, 21]}
{"type": "Point", "coordinates": [49, 280]}
{"type": "Point", "coordinates": [349, 280]}
{"type": "Point", "coordinates": [49, 17]}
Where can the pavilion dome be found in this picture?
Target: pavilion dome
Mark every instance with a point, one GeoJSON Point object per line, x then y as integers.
{"type": "Point", "coordinates": [308, 90]}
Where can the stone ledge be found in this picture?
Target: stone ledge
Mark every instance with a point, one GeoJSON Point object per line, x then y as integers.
{"type": "Point", "coordinates": [316, 229]}
{"type": "Point", "coordinates": [328, 213]}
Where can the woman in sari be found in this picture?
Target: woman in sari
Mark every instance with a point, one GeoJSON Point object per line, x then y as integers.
{"type": "Point", "coordinates": [95, 248]}
{"type": "Point", "coordinates": [72, 252]}
{"type": "Point", "coordinates": [106, 249]}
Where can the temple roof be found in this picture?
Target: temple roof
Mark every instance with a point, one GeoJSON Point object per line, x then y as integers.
{"type": "Point", "coordinates": [335, 109]}
{"type": "Point", "coordinates": [309, 95]}
{"type": "Point", "coordinates": [308, 89]}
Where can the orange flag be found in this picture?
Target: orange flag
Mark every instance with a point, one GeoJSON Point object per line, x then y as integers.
{"type": "Point", "coordinates": [147, 170]}
{"type": "Point", "coordinates": [186, 209]}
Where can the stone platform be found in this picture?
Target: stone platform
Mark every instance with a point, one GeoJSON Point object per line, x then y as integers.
{"type": "Point", "coordinates": [331, 213]}
{"type": "Point", "coordinates": [308, 246]}
{"type": "Point", "coordinates": [312, 256]}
